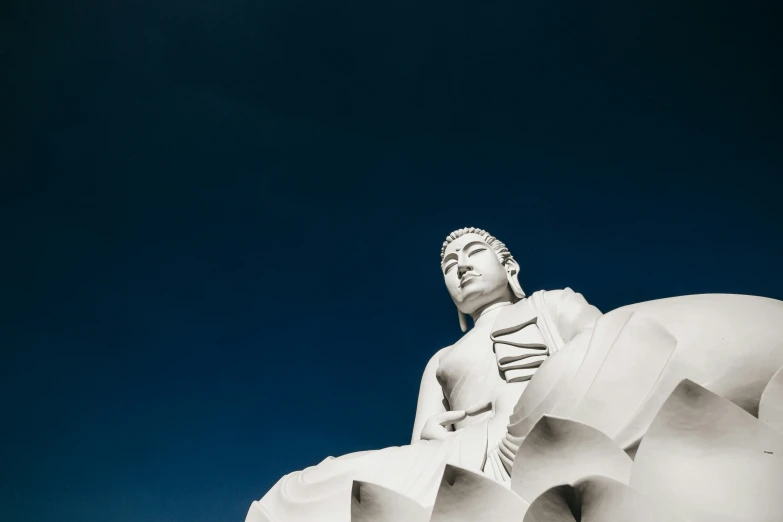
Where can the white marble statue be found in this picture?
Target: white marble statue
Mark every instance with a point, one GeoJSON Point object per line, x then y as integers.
{"type": "Point", "coordinates": [546, 409]}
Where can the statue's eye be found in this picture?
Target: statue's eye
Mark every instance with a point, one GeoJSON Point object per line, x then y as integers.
{"type": "Point", "coordinates": [449, 267]}
{"type": "Point", "coordinates": [477, 251]}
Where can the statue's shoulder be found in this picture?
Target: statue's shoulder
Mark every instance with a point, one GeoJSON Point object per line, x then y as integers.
{"type": "Point", "coordinates": [441, 354]}
{"type": "Point", "coordinates": [552, 297]}
{"type": "Point", "coordinates": [567, 302]}
{"type": "Point", "coordinates": [433, 365]}
{"type": "Point", "coordinates": [434, 361]}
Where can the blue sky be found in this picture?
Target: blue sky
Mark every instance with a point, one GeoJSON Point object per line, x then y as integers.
{"type": "Point", "coordinates": [223, 219]}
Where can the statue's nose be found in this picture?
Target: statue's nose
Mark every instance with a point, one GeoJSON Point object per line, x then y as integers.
{"type": "Point", "coordinates": [462, 268]}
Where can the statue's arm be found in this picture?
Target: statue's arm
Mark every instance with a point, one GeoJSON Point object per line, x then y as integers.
{"type": "Point", "coordinates": [431, 401]}
{"type": "Point", "coordinates": [571, 312]}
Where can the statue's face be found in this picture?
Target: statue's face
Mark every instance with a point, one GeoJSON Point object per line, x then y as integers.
{"type": "Point", "coordinates": [474, 274]}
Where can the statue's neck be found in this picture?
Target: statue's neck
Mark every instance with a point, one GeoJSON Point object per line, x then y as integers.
{"type": "Point", "coordinates": [488, 313]}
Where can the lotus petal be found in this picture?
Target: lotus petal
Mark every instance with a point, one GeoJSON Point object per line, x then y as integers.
{"type": "Point", "coordinates": [711, 460]}
{"type": "Point", "coordinates": [373, 503]}
{"type": "Point", "coordinates": [465, 496]}
{"type": "Point", "coordinates": [607, 330]}
{"type": "Point", "coordinates": [627, 375]}
{"type": "Point", "coordinates": [562, 451]}
{"type": "Point", "coordinates": [771, 404]}
{"type": "Point", "coordinates": [597, 499]}
{"type": "Point", "coordinates": [557, 504]}
{"type": "Point", "coordinates": [731, 343]}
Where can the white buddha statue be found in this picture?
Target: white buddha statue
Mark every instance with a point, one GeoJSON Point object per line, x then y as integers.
{"type": "Point", "coordinates": [468, 390]}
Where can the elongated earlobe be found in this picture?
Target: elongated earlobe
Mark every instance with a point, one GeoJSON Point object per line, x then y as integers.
{"type": "Point", "coordinates": [512, 271]}
{"type": "Point", "coordinates": [463, 321]}
{"type": "Point", "coordinates": [516, 288]}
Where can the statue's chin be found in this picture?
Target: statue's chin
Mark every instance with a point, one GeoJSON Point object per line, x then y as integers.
{"type": "Point", "coordinates": [478, 299]}
{"type": "Point", "coordinates": [468, 308]}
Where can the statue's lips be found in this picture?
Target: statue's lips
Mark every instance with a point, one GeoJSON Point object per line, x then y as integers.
{"type": "Point", "coordinates": [467, 279]}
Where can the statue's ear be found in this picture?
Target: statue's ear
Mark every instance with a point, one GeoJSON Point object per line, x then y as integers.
{"type": "Point", "coordinates": [463, 322]}
{"type": "Point", "coordinates": [512, 272]}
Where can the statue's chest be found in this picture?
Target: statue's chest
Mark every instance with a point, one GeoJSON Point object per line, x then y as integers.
{"type": "Point", "coordinates": [469, 371]}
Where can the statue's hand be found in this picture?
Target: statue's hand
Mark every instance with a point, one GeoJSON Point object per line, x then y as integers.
{"type": "Point", "coordinates": [435, 427]}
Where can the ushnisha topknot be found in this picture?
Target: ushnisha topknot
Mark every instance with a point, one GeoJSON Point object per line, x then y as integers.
{"type": "Point", "coordinates": [497, 245]}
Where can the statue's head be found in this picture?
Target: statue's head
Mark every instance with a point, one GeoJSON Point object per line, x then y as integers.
{"type": "Point", "coordinates": [479, 270]}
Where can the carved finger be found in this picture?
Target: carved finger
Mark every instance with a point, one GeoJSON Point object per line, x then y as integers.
{"type": "Point", "coordinates": [450, 417]}
{"type": "Point", "coordinates": [479, 408]}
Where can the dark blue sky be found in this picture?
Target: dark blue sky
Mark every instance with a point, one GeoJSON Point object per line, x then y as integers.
{"type": "Point", "coordinates": [223, 218]}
